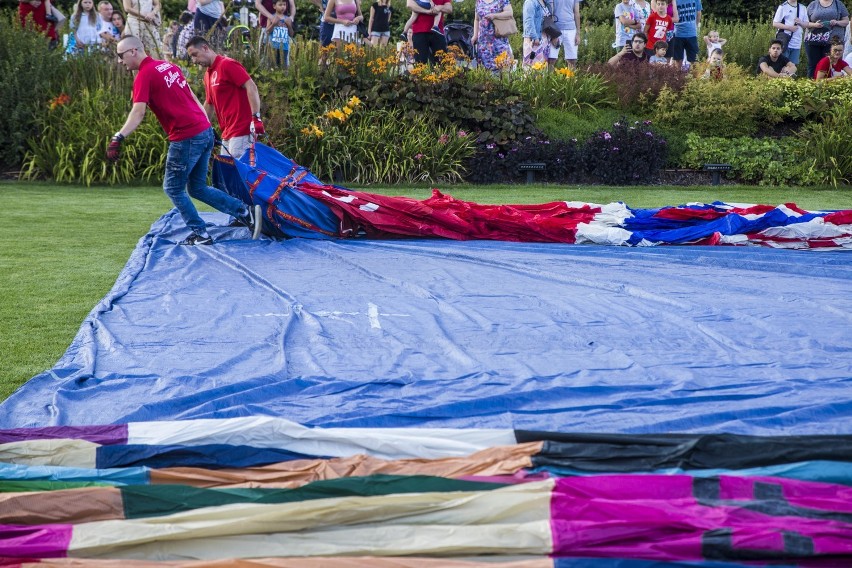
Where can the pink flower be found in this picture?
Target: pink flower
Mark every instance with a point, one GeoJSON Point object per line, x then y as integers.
{"type": "Point", "coordinates": [462, 134]}
{"type": "Point", "coordinates": [443, 139]}
{"type": "Point", "coordinates": [418, 156]}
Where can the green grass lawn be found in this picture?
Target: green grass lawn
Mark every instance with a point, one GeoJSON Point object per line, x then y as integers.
{"type": "Point", "coordinates": [61, 247]}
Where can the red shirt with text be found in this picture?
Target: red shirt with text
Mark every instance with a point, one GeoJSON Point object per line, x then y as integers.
{"type": "Point", "coordinates": [162, 86]}
{"type": "Point", "coordinates": [223, 83]}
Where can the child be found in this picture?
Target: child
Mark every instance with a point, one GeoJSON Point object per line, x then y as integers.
{"type": "Point", "coordinates": [379, 27]}
{"type": "Point", "coordinates": [279, 29]}
{"type": "Point", "coordinates": [86, 27]}
{"type": "Point", "coordinates": [660, 25]}
{"type": "Point", "coordinates": [187, 32]}
{"type": "Point", "coordinates": [436, 21]}
{"type": "Point", "coordinates": [715, 66]}
{"type": "Point", "coordinates": [713, 42]}
{"type": "Point", "coordinates": [659, 57]}
{"type": "Point", "coordinates": [170, 40]}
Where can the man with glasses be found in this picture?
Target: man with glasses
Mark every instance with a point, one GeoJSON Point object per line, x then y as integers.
{"type": "Point", "coordinates": [633, 53]}
{"type": "Point", "coordinates": [161, 86]}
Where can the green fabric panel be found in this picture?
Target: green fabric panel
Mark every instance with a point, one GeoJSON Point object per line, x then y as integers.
{"type": "Point", "coordinates": [155, 500]}
{"type": "Point", "coordinates": [29, 486]}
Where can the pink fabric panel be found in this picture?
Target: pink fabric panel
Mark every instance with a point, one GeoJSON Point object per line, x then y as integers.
{"type": "Point", "coordinates": [38, 541]}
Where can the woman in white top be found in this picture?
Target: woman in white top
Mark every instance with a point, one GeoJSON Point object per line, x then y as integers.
{"type": "Point", "coordinates": [143, 21]}
{"type": "Point", "coordinates": [347, 16]}
{"type": "Point", "coordinates": [792, 18]}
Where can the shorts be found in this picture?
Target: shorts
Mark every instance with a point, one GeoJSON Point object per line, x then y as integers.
{"type": "Point", "coordinates": [380, 34]}
{"type": "Point", "coordinates": [568, 42]}
{"type": "Point", "coordinates": [687, 46]}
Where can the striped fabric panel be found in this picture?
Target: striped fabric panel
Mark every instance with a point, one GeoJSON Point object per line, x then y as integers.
{"type": "Point", "coordinates": [501, 460]}
{"type": "Point", "coordinates": [321, 562]}
{"type": "Point", "coordinates": [66, 452]}
{"type": "Point", "coordinates": [89, 505]}
{"type": "Point", "coordinates": [511, 520]}
{"type": "Point", "coordinates": [71, 475]}
{"type": "Point", "coordinates": [269, 432]}
{"type": "Point", "coordinates": [65, 506]}
{"type": "Point", "coordinates": [106, 434]}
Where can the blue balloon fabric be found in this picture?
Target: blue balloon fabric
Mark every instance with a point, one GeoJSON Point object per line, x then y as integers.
{"type": "Point", "coordinates": [460, 334]}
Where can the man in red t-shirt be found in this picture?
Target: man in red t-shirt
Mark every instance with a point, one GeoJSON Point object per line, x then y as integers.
{"type": "Point", "coordinates": [231, 95]}
{"type": "Point", "coordinates": [424, 39]}
{"type": "Point", "coordinates": [161, 86]}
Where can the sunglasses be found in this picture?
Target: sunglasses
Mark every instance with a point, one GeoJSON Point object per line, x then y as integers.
{"type": "Point", "coordinates": [120, 54]}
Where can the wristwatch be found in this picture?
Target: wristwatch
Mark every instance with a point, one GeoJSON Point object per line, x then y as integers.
{"type": "Point", "coordinates": [256, 115]}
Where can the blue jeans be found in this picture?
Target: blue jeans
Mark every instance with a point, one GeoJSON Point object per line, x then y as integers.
{"type": "Point", "coordinates": [793, 55]}
{"type": "Point", "coordinates": [326, 31]}
{"type": "Point", "coordinates": [186, 175]}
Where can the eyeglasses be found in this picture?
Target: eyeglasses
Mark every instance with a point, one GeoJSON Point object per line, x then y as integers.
{"type": "Point", "coordinates": [120, 54]}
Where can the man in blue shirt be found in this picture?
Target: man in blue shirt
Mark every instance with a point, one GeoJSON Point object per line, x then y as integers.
{"type": "Point", "coordinates": [686, 30]}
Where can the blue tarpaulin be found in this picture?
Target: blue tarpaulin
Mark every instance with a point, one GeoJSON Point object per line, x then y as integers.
{"type": "Point", "coordinates": [460, 334]}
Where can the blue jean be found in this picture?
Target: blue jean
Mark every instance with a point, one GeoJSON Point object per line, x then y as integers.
{"type": "Point", "coordinates": [186, 175]}
{"type": "Point", "coordinates": [326, 31]}
{"type": "Point", "coordinates": [793, 55]}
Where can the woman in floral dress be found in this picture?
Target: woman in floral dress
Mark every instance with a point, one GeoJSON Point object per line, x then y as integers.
{"type": "Point", "coordinates": [488, 46]}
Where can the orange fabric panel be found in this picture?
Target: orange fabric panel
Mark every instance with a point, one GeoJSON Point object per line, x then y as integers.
{"type": "Point", "coordinates": [501, 460]}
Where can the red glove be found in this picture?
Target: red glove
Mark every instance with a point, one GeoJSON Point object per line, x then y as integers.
{"type": "Point", "coordinates": [114, 148]}
{"type": "Point", "coordinates": [257, 125]}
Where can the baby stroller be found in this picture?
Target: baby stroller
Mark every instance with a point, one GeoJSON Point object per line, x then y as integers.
{"type": "Point", "coordinates": [460, 35]}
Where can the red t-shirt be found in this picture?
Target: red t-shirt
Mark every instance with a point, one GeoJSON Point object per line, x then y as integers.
{"type": "Point", "coordinates": [824, 65]}
{"type": "Point", "coordinates": [39, 16]}
{"type": "Point", "coordinates": [423, 23]}
{"type": "Point", "coordinates": [162, 86]}
{"type": "Point", "coordinates": [657, 28]}
{"type": "Point", "coordinates": [224, 82]}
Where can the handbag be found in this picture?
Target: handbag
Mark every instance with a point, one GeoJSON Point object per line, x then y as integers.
{"type": "Point", "coordinates": [548, 23]}
{"type": "Point", "coordinates": [824, 36]}
{"type": "Point", "coordinates": [784, 37]}
{"type": "Point", "coordinates": [504, 27]}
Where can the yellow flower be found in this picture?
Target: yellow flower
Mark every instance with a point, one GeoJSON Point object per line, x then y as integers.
{"type": "Point", "coordinates": [354, 102]}
{"type": "Point", "coordinates": [539, 65]}
{"type": "Point", "coordinates": [565, 72]}
{"type": "Point", "coordinates": [347, 110]}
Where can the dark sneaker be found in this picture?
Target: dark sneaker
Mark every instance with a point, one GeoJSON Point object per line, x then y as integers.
{"type": "Point", "coordinates": [253, 220]}
{"type": "Point", "coordinates": [404, 36]}
{"type": "Point", "coordinates": [437, 30]}
{"type": "Point", "coordinates": [196, 239]}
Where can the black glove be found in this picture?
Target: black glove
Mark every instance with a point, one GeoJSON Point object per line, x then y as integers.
{"type": "Point", "coordinates": [114, 148]}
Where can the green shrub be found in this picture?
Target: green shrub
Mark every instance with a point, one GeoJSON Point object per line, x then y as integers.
{"type": "Point", "coordinates": [30, 72]}
{"type": "Point", "coordinates": [341, 145]}
{"type": "Point", "coordinates": [559, 124]}
{"type": "Point", "coordinates": [732, 107]}
{"type": "Point", "coordinates": [562, 89]}
{"type": "Point", "coordinates": [748, 40]}
{"type": "Point", "coordinates": [825, 147]}
{"type": "Point", "coordinates": [766, 161]}
{"type": "Point", "coordinates": [74, 137]}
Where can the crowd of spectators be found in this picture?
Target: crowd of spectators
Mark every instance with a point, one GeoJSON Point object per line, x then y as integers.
{"type": "Point", "coordinates": [657, 32]}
